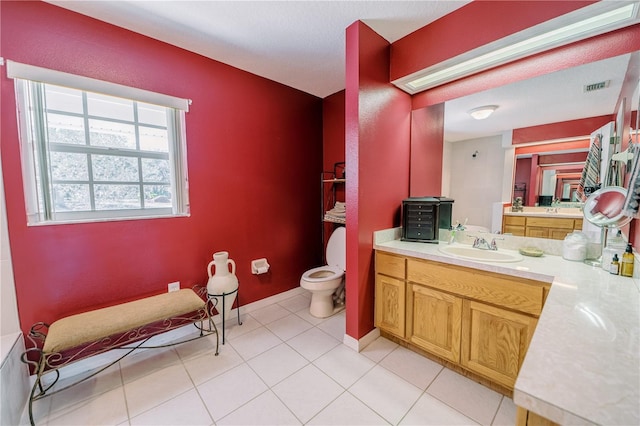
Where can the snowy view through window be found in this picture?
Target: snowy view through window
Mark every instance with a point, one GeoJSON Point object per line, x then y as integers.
{"type": "Point", "coordinates": [105, 152]}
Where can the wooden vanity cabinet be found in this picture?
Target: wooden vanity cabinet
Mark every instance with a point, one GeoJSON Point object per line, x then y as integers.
{"type": "Point", "coordinates": [481, 321]}
{"type": "Point", "coordinates": [555, 228]}
{"type": "Point", "coordinates": [390, 294]}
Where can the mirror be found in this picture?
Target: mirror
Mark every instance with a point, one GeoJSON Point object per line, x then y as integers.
{"type": "Point", "coordinates": [479, 160]}
{"type": "Point", "coordinates": [604, 207]}
{"type": "Point", "coordinates": [559, 176]}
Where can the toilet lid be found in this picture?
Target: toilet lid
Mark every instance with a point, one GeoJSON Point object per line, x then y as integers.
{"type": "Point", "coordinates": [337, 249]}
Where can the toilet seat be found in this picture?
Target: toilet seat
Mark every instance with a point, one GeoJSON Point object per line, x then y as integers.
{"type": "Point", "coordinates": [322, 273]}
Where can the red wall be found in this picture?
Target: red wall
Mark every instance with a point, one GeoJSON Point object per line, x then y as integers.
{"type": "Point", "coordinates": [333, 129]}
{"type": "Point", "coordinates": [563, 129]}
{"type": "Point", "coordinates": [254, 155]}
{"type": "Point", "coordinates": [427, 134]}
{"type": "Point", "coordinates": [377, 146]}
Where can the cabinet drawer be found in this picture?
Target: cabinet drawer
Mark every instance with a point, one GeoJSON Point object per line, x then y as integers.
{"type": "Point", "coordinates": [550, 222]}
{"type": "Point", "coordinates": [388, 264]}
{"type": "Point", "coordinates": [515, 220]}
{"type": "Point", "coordinates": [511, 292]}
{"type": "Point", "coordinates": [537, 232]}
{"type": "Point", "coordinates": [515, 230]}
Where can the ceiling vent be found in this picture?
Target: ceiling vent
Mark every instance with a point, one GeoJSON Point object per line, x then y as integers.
{"type": "Point", "coordinates": [596, 86]}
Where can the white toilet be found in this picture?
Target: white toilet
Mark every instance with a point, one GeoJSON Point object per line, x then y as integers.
{"type": "Point", "coordinates": [323, 281]}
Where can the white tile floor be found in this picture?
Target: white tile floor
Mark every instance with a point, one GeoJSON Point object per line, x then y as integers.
{"type": "Point", "coordinates": [281, 367]}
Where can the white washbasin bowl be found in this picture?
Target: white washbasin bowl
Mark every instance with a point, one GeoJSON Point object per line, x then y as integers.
{"type": "Point", "coordinates": [468, 252]}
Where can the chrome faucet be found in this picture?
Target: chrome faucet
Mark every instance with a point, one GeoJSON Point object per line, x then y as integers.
{"type": "Point", "coordinates": [482, 244]}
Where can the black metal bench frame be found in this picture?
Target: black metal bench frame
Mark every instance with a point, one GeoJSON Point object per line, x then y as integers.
{"type": "Point", "coordinates": [129, 341]}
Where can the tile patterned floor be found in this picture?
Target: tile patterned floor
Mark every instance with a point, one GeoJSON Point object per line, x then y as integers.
{"type": "Point", "coordinates": [281, 367]}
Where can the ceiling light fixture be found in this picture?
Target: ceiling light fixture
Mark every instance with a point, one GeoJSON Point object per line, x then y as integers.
{"type": "Point", "coordinates": [483, 112]}
{"type": "Point", "coordinates": [586, 22]}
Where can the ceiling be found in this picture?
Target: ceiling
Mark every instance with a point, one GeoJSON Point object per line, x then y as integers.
{"type": "Point", "coordinates": [302, 44]}
{"type": "Point", "coordinates": [550, 98]}
{"type": "Point", "coordinates": [298, 43]}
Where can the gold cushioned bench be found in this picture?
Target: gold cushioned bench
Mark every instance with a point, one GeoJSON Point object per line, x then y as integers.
{"type": "Point", "coordinates": [125, 326]}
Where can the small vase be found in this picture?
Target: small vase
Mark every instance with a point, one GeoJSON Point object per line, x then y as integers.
{"type": "Point", "coordinates": [222, 282]}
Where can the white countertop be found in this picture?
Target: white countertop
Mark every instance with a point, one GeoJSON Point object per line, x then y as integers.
{"type": "Point", "coordinates": [583, 363]}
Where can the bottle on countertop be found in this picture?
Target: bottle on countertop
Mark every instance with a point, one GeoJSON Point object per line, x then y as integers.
{"type": "Point", "coordinates": [614, 268]}
{"type": "Point", "coordinates": [626, 269]}
{"type": "Point", "coordinates": [615, 245]}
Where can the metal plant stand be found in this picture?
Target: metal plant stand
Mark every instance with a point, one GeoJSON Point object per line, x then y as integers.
{"type": "Point", "coordinates": [214, 298]}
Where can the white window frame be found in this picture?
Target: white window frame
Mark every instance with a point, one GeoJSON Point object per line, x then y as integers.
{"type": "Point", "coordinates": [38, 192]}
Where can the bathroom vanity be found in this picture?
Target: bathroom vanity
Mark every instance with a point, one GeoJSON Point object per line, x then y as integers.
{"type": "Point", "coordinates": [561, 336]}
{"type": "Point", "coordinates": [538, 223]}
{"type": "Point", "coordinates": [480, 321]}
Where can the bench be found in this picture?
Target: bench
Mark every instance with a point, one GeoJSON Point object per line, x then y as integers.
{"type": "Point", "coordinates": [125, 326]}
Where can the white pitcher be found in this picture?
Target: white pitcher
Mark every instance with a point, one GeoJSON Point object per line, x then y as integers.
{"type": "Point", "coordinates": [222, 281]}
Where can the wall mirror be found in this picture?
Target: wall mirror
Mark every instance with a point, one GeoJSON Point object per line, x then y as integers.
{"type": "Point", "coordinates": [479, 161]}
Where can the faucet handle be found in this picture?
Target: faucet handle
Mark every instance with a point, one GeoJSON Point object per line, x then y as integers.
{"type": "Point", "coordinates": [478, 241]}
{"type": "Point", "coordinates": [494, 246]}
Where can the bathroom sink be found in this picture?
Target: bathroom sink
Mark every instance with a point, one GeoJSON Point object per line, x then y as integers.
{"type": "Point", "coordinates": [468, 252]}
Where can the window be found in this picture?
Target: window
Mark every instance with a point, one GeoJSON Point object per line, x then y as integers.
{"type": "Point", "coordinates": [90, 156]}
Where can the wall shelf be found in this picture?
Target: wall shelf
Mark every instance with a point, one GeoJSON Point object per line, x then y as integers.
{"type": "Point", "coordinates": [329, 185]}
{"type": "Point", "coordinates": [329, 203]}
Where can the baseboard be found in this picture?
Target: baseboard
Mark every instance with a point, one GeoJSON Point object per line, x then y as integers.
{"type": "Point", "coordinates": [359, 344]}
{"type": "Point", "coordinates": [258, 304]}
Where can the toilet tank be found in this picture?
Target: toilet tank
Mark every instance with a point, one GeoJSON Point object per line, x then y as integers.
{"type": "Point", "coordinates": [422, 217]}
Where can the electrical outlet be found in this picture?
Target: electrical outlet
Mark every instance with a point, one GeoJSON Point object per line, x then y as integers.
{"type": "Point", "coordinates": [174, 286]}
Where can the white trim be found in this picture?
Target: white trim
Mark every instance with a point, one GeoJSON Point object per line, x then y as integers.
{"type": "Point", "coordinates": [45, 75]}
{"type": "Point", "coordinates": [259, 304]}
{"type": "Point", "coordinates": [366, 340]}
{"type": "Point", "coordinates": [35, 222]}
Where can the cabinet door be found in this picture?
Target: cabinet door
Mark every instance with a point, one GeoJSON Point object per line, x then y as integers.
{"type": "Point", "coordinates": [559, 234]}
{"type": "Point", "coordinates": [434, 321]}
{"type": "Point", "coordinates": [494, 341]}
{"type": "Point", "coordinates": [536, 232]}
{"type": "Point", "coordinates": [390, 305]}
